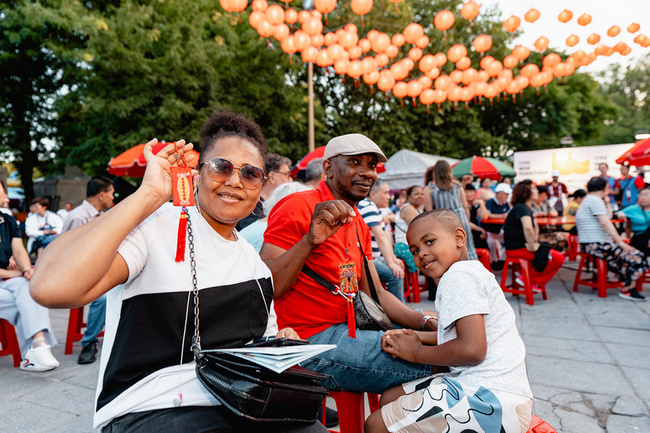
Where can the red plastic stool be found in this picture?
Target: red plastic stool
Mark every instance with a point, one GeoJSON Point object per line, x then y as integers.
{"type": "Point", "coordinates": [538, 425]}
{"type": "Point", "coordinates": [75, 325]}
{"type": "Point", "coordinates": [645, 278]}
{"type": "Point", "coordinates": [350, 408]}
{"type": "Point", "coordinates": [484, 257]}
{"type": "Point", "coordinates": [9, 342]}
{"type": "Point", "coordinates": [411, 285]}
{"type": "Point", "coordinates": [522, 266]}
{"type": "Point", "coordinates": [598, 280]}
{"type": "Point", "coordinates": [573, 248]}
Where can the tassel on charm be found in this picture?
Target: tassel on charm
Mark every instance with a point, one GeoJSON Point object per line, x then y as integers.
{"type": "Point", "coordinates": [182, 233]}
{"type": "Point", "coordinates": [352, 327]}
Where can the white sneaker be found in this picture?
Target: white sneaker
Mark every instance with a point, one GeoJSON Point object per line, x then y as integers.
{"type": "Point", "coordinates": [519, 281]}
{"type": "Point", "coordinates": [39, 359]}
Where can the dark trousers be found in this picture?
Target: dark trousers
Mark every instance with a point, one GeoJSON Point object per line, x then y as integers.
{"type": "Point", "coordinates": [198, 419]}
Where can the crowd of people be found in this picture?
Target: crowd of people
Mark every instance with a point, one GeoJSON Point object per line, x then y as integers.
{"type": "Point", "coordinates": [251, 237]}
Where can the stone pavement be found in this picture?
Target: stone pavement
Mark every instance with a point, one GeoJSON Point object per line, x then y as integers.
{"type": "Point", "coordinates": [588, 363]}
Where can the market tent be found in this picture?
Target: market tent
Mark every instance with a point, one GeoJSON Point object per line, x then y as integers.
{"type": "Point", "coordinates": [406, 168]}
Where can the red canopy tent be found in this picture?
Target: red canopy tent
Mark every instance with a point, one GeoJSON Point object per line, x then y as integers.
{"type": "Point", "coordinates": [131, 162]}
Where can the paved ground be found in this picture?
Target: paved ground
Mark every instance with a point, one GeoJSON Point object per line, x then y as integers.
{"type": "Point", "coordinates": [588, 362]}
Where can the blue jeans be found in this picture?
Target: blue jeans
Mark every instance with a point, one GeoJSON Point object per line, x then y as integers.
{"type": "Point", "coordinates": [393, 284]}
{"type": "Point", "coordinates": [96, 320]}
{"type": "Point", "coordinates": [359, 364]}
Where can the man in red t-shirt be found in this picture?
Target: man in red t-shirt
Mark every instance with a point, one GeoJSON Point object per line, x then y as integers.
{"type": "Point", "coordinates": [322, 229]}
{"type": "Point", "coordinates": [556, 190]}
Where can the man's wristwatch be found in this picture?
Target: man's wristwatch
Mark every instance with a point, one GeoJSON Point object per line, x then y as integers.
{"type": "Point", "coordinates": [423, 322]}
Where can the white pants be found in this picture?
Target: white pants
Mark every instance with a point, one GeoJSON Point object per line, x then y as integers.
{"type": "Point", "coordinates": [19, 309]}
{"type": "Point", "coordinates": [497, 251]}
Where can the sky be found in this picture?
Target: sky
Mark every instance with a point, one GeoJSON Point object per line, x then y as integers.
{"type": "Point", "coordinates": [605, 13]}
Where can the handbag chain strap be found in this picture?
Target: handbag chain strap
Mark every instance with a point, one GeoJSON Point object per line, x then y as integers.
{"type": "Point", "coordinates": [196, 340]}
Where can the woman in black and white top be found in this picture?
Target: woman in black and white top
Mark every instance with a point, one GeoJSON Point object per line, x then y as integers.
{"type": "Point", "coordinates": [147, 377]}
{"type": "Point", "coordinates": [598, 237]}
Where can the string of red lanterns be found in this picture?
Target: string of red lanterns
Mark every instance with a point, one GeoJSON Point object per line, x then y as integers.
{"type": "Point", "coordinates": [350, 55]}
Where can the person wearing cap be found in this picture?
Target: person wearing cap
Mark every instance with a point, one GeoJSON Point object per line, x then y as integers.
{"type": "Point", "coordinates": [498, 208]}
{"type": "Point", "coordinates": [629, 187]}
{"type": "Point", "coordinates": [556, 191]}
{"type": "Point", "coordinates": [571, 210]}
{"type": "Point", "coordinates": [323, 230]}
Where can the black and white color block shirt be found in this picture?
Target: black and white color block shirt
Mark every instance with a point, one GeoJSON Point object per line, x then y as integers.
{"type": "Point", "coordinates": [149, 324]}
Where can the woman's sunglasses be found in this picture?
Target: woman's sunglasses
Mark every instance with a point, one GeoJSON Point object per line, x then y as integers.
{"type": "Point", "coordinates": [220, 170]}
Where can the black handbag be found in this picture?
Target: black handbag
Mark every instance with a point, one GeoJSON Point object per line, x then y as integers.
{"type": "Point", "coordinates": [368, 313]}
{"type": "Point", "coordinates": [250, 391]}
{"type": "Point", "coordinates": [258, 394]}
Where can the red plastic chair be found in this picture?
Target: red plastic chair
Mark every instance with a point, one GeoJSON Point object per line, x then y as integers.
{"type": "Point", "coordinates": [484, 257]}
{"type": "Point", "coordinates": [350, 408]}
{"type": "Point", "coordinates": [538, 425]}
{"type": "Point", "coordinates": [75, 325]}
{"type": "Point", "coordinates": [9, 342]}
{"type": "Point", "coordinates": [598, 280]}
{"type": "Point", "coordinates": [524, 267]}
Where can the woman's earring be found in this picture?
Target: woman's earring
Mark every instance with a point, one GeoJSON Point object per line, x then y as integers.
{"type": "Point", "coordinates": [262, 212]}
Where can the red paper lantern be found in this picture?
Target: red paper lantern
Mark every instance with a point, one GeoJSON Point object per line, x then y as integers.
{"type": "Point", "coordinates": [532, 15]}
{"type": "Point", "coordinates": [444, 20]}
{"type": "Point", "coordinates": [470, 10]}
{"type": "Point", "coordinates": [584, 19]}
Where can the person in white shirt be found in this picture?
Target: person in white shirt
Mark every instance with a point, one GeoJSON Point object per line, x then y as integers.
{"type": "Point", "coordinates": [63, 213]}
{"type": "Point", "coordinates": [147, 379]}
{"type": "Point", "coordinates": [41, 225]}
{"type": "Point", "coordinates": [486, 388]}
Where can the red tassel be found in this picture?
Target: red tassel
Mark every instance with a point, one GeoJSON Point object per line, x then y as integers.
{"type": "Point", "coordinates": [182, 233]}
{"type": "Point", "coordinates": [352, 327]}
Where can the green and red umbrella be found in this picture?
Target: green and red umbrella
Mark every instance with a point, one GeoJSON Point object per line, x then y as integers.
{"type": "Point", "coordinates": [482, 167]}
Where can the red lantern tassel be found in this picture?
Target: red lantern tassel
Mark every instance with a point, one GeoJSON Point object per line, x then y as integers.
{"type": "Point", "coordinates": [352, 327]}
{"type": "Point", "coordinates": [182, 233]}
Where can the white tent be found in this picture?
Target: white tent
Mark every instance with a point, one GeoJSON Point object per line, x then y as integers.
{"type": "Point", "coordinates": [406, 168]}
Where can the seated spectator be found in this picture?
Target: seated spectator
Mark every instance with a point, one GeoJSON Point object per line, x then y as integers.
{"type": "Point", "coordinates": [638, 215]}
{"type": "Point", "coordinates": [486, 389]}
{"type": "Point", "coordinates": [541, 205]}
{"type": "Point", "coordinates": [148, 380]}
{"type": "Point", "coordinates": [485, 192]}
{"type": "Point", "coordinates": [477, 210]}
{"type": "Point", "coordinates": [277, 172]}
{"type": "Point", "coordinates": [399, 200]}
{"type": "Point", "coordinates": [63, 213]}
{"type": "Point", "coordinates": [32, 321]}
{"type": "Point", "coordinates": [314, 173]}
{"type": "Point", "coordinates": [389, 268]}
{"type": "Point", "coordinates": [571, 209]}
{"type": "Point", "coordinates": [254, 233]}
{"type": "Point", "coordinates": [522, 234]}
{"type": "Point", "coordinates": [598, 237]}
{"type": "Point", "coordinates": [415, 199]}
{"type": "Point", "coordinates": [498, 208]}
{"type": "Point", "coordinates": [41, 225]}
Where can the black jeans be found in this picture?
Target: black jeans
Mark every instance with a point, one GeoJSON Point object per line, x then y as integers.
{"type": "Point", "coordinates": [199, 419]}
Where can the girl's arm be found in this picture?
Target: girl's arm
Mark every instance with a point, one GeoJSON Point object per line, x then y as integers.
{"type": "Point", "coordinates": [81, 265]}
{"type": "Point", "coordinates": [408, 213]}
{"type": "Point", "coordinates": [468, 348]}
